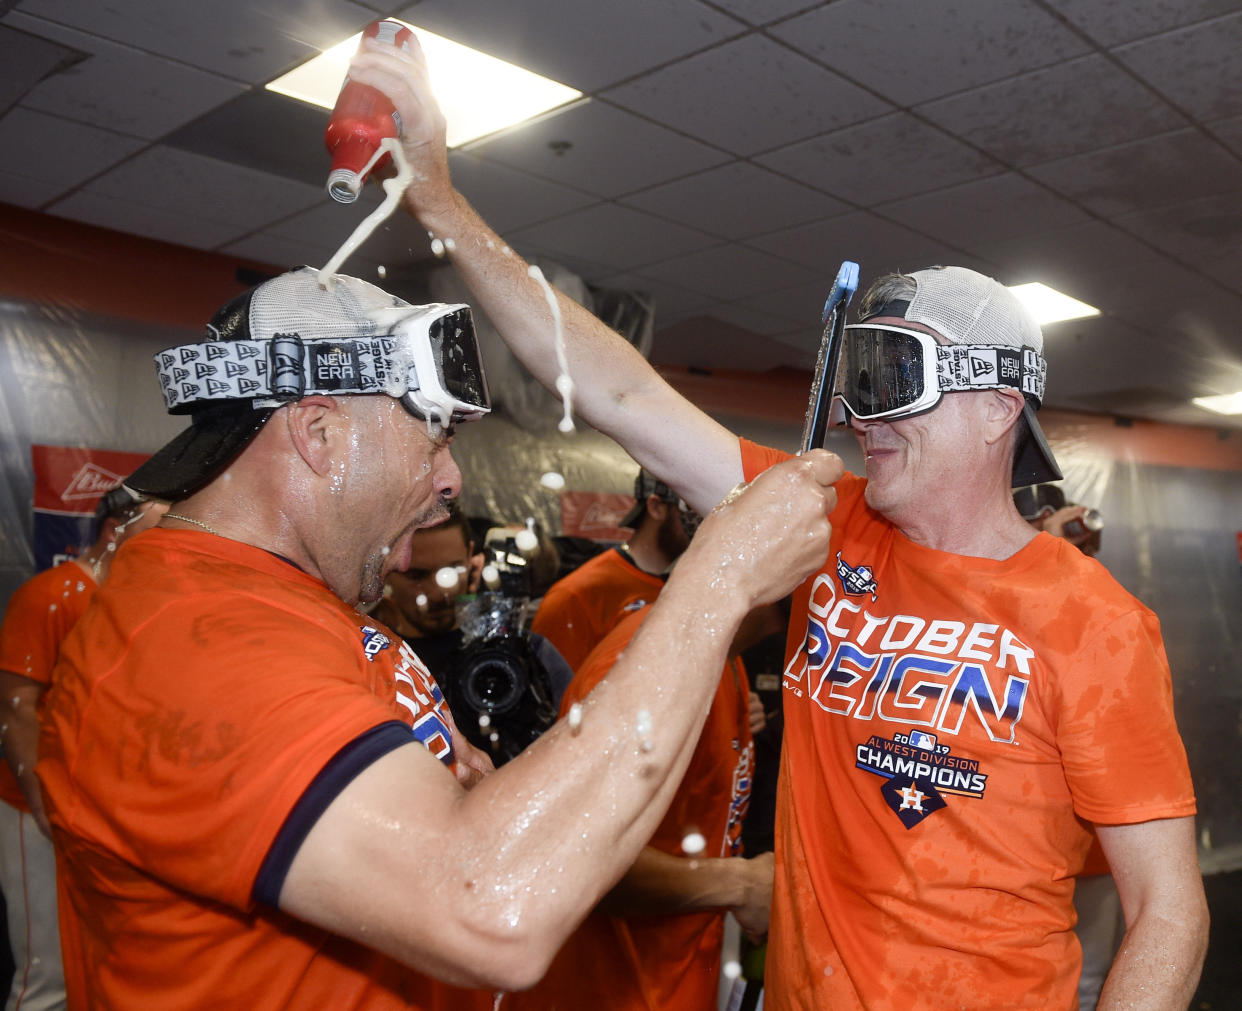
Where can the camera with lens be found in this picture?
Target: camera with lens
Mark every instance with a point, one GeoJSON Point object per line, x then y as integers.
{"type": "Point", "coordinates": [499, 691]}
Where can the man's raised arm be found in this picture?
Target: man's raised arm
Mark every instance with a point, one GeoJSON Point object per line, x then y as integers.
{"type": "Point", "coordinates": [615, 389]}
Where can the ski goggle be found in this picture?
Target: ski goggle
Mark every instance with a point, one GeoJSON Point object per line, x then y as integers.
{"type": "Point", "coordinates": [427, 357]}
{"type": "Point", "coordinates": [889, 372]}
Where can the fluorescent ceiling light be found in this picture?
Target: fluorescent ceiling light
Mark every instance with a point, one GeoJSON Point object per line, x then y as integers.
{"type": "Point", "coordinates": [1226, 403]}
{"type": "Point", "coordinates": [478, 94]}
{"type": "Point", "coordinates": [1049, 305]}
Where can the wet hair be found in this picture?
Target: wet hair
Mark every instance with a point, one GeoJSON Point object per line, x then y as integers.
{"type": "Point", "coordinates": [887, 288]}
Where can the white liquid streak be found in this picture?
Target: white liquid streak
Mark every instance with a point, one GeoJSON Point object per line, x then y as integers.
{"type": "Point", "coordinates": [393, 190]}
{"type": "Point", "coordinates": [564, 385]}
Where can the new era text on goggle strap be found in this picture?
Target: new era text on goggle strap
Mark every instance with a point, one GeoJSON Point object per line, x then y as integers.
{"type": "Point", "coordinates": [988, 367]}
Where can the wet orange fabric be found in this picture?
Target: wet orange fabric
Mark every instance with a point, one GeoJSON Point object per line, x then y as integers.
{"type": "Point", "coordinates": [38, 617]}
{"type": "Point", "coordinates": [660, 963]}
{"type": "Point", "coordinates": [579, 610]}
{"type": "Point", "coordinates": [192, 707]}
{"type": "Point", "coordinates": [948, 722]}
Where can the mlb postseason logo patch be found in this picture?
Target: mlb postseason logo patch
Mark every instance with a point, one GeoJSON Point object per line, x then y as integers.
{"type": "Point", "coordinates": [374, 642]}
{"type": "Point", "coordinates": [918, 773]}
{"type": "Point", "coordinates": [856, 581]}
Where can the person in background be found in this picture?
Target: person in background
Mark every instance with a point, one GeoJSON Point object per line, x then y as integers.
{"type": "Point", "coordinates": [1101, 923]}
{"type": "Point", "coordinates": [580, 609]}
{"type": "Point", "coordinates": [926, 666]}
{"type": "Point", "coordinates": [259, 798]}
{"type": "Point", "coordinates": [39, 616]}
{"type": "Point", "coordinates": [654, 942]}
{"type": "Point", "coordinates": [423, 605]}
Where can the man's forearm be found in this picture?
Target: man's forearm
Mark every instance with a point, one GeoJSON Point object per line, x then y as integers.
{"type": "Point", "coordinates": [1159, 963]}
{"type": "Point", "coordinates": [660, 883]}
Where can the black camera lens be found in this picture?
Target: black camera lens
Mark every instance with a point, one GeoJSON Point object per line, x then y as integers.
{"type": "Point", "coordinates": [493, 683]}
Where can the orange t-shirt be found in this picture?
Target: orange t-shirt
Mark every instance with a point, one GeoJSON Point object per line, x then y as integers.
{"type": "Point", "coordinates": [192, 707]}
{"type": "Point", "coordinates": [39, 616]}
{"type": "Point", "coordinates": [660, 963]}
{"type": "Point", "coordinates": [948, 719]}
{"type": "Point", "coordinates": [579, 610]}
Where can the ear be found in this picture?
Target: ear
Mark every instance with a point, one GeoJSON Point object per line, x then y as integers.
{"type": "Point", "coordinates": [657, 508]}
{"type": "Point", "coordinates": [474, 575]}
{"type": "Point", "coordinates": [1003, 409]}
{"type": "Point", "coordinates": [314, 425]}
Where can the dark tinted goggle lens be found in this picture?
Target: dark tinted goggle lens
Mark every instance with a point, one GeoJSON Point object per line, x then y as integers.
{"type": "Point", "coordinates": [457, 355]}
{"type": "Point", "coordinates": [882, 371]}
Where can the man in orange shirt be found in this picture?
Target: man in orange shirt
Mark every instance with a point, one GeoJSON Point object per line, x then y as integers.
{"type": "Point", "coordinates": [258, 795]}
{"type": "Point", "coordinates": [655, 941]}
{"type": "Point", "coordinates": [959, 689]}
{"type": "Point", "coordinates": [580, 609]}
{"type": "Point", "coordinates": [38, 617]}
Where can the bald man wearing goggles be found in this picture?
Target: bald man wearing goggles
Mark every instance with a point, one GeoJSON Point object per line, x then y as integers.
{"type": "Point", "coordinates": [962, 692]}
{"type": "Point", "coordinates": [257, 793]}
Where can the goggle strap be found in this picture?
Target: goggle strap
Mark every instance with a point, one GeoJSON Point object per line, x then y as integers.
{"type": "Point", "coordinates": [280, 368]}
{"type": "Point", "coordinates": [962, 367]}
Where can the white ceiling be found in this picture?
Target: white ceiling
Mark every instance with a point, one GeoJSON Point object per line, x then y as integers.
{"type": "Point", "coordinates": [731, 155]}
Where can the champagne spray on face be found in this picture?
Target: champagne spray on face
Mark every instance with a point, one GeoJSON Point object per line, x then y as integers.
{"type": "Point", "coordinates": [361, 119]}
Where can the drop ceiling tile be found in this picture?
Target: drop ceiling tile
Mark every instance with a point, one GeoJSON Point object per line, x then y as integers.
{"type": "Point", "coordinates": [398, 241]}
{"type": "Point", "coordinates": [1229, 131]}
{"type": "Point", "coordinates": [984, 211]}
{"type": "Point", "coordinates": [54, 154]}
{"type": "Point", "coordinates": [874, 244]}
{"type": "Point", "coordinates": [748, 95]}
{"type": "Point", "coordinates": [754, 320]}
{"type": "Point", "coordinates": [262, 130]}
{"type": "Point", "coordinates": [27, 59]}
{"type": "Point", "coordinates": [762, 12]}
{"type": "Point", "coordinates": [1064, 257]}
{"type": "Point", "coordinates": [508, 198]}
{"type": "Point", "coordinates": [1055, 112]}
{"type": "Point", "coordinates": [710, 342]}
{"type": "Point", "coordinates": [730, 272]}
{"type": "Point", "coordinates": [1197, 231]}
{"type": "Point", "coordinates": [281, 252]}
{"type": "Point", "coordinates": [609, 152]}
{"type": "Point", "coordinates": [121, 88]}
{"type": "Point", "coordinates": [930, 49]}
{"type": "Point", "coordinates": [873, 162]}
{"type": "Point", "coordinates": [26, 190]}
{"type": "Point", "coordinates": [1112, 23]}
{"type": "Point", "coordinates": [136, 217]}
{"type": "Point", "coordinates": [585, 45]}
{"type": "Point", "coordinates": [1197, 68]}
{"type": "Point", "coordinates": [1149, 173]}
{"type": "Point", "coordinates": [736, 201]}
{"type": "Point", "coordinates": [801, 305]}
{"type": "Point", "coordinates": [670, 300]}
{"type": "Point", "coordinates": [616, 236]}
{"type": "Point", "coordinates": [160, 183]}
{"type": "Point", "coordinates": [240, 39]}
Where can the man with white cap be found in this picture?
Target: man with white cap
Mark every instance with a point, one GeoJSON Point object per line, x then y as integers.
{"type": "Point", "coordinates": [257, 793]}
{"type": "Point", "coordinates": [949, 719]}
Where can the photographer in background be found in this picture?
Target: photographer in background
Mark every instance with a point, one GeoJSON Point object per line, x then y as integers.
{"type": "Point", "coordinates": [502, 684]}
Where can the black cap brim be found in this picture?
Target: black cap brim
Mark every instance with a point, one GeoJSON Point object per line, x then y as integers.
{"type": "Point", "coordinates": [200, 453]}
{"type": "Point", "coordinates": [1034, 463]}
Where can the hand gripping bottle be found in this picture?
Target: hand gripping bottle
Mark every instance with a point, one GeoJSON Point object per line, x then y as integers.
{"type": "Point", "coordinates": [361, 119]}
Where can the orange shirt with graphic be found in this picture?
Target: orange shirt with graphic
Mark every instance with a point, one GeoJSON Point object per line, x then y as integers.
{"type": "Point", "coordinates": [38, 617]}
{"type": "Point", "coordinates": [579, 610]}
{"type": "Point", "coordinates": [660, 963]}
{"type": "Point", "coordinates": [948, 721]}
{"type": "Point", "coordinates": [192, 707]}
